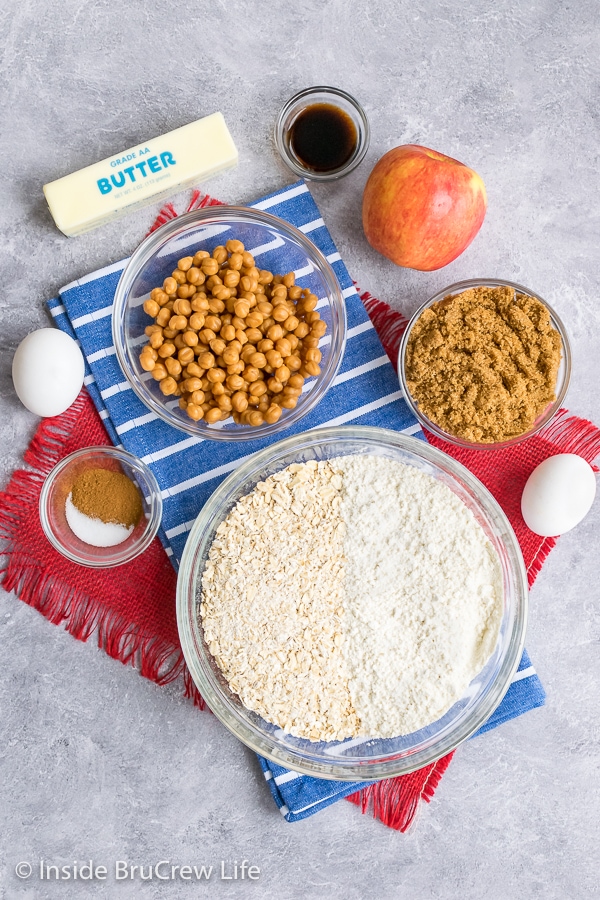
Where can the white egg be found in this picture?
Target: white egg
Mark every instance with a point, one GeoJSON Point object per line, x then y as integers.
{"type": "Point", "coordinates": [47, 371]}
{"type": "Point", "coordinates": [558, 494]}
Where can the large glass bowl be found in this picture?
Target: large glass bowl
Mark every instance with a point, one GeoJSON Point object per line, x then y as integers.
{"type": "Point", "coordinates": [355, 759]}
{"type": "Point", "coordinates": [562, 379]}
{"type": "Point", "coordinates": [279, 248]}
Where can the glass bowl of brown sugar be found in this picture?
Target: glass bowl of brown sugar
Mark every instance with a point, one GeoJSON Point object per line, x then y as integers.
{"type": "Point", "coordinates": [100, 507]}
{"type": "Point", "coordinates": [485, 364]}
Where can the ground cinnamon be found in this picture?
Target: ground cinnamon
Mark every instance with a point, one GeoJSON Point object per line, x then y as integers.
{"type": "Point", "coordinates": [107, 495]}
{"type": "Point", "coordinates": [483, 364]}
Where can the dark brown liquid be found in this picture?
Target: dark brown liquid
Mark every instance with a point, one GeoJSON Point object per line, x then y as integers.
{"type": "Point", "coordinates": [323, 137]}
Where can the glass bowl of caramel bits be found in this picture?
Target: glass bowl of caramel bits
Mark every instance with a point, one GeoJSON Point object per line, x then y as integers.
{"type": "Point", "coordinates": [229, 323]}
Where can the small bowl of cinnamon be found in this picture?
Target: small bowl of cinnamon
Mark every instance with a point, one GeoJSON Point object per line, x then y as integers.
{"type": "Point", "coordinates": [485, 364]}
{"type": "Point", "coordinates": [100, 507]}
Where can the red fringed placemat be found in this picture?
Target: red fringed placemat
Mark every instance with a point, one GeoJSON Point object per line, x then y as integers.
{"type": "Point", "coordinates": [503, 472]}
{"type": "Point", "coordinates": [131, 608]}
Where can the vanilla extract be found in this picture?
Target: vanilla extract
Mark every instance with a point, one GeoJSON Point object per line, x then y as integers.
{"type": "Point", "coordinates": [323, 137]}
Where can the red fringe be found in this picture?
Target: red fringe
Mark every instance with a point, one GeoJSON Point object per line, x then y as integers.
{"type": "Point", "coordinates": [388, 323]}
{"type": "Point", "coordinates": [46, 447]}
{"type": "Point", "coordinates": [168, 212]}
{"type": "Point", "coordinates": [61, 603]}
{"type": "Point", "coordinates": [56, 599]}
{"type": "Point", "coordinates": [395, 801]}
{"type": "Point", "coordinates": [435, 776]}
{"type": "Point", "coordinates": [191, 691]}
{"type": "Point", "coordinates": [200, 200]}
{"type": "Point", "coordinates": [535, 566]}
{"type": "Point", "coordinates": [573, 435]}
{"type": "Point", "coordinates": [567, 434]}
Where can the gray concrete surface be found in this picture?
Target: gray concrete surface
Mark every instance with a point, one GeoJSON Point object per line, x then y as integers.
{"type": "Point", "coordinates": [97, 763]}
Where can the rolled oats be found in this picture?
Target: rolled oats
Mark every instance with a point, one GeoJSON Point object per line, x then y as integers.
{"type": "Point", "coordinates": [272, 601]}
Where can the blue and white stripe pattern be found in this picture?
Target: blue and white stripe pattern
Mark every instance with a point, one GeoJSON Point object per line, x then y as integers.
{"type": "Point", "coordinates": [298, 796]}
{"type": "Point", "coordinates": [188, 469]}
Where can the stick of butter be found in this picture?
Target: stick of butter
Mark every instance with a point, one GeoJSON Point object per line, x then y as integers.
{"type": "Point", "coordinates": [141, 175]}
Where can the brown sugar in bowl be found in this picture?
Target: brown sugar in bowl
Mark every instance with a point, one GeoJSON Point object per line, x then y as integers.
{"type": "Point", "coordinates": [474, 394]}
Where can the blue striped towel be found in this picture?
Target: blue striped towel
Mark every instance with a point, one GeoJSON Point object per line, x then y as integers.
{"type": "Point", "coordinates": [188, 469]}
{"type": "Point", "coordinates": [298, 796]}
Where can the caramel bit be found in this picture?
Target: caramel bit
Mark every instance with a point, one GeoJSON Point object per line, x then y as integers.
{"type": "Point", "coordinates": [483, 364]}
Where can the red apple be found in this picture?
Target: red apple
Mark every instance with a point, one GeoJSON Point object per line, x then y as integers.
{"type": "Point", "coordinates": [421, 209]}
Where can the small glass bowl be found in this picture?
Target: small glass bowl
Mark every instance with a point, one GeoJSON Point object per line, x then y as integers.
{"type": "Point", "coordinates": [562, 379]}
{"type": "Point", "coordinates": [308, 97]}
{"type": "Point", "coordinates": [359, 758]}
{"type": "Point", "coordinates": [271, 239]}
{"type": "Point", "coordinates": [57, 487]}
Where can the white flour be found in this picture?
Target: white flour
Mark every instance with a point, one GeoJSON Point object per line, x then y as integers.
{"type": "Point", "coordinates": [352, 597]}
{"type": "Point", "coordinates": [422, 595]}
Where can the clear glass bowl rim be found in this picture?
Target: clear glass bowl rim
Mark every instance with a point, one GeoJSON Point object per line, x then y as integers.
{"type": "Point", "coordinates": [364, 135]}
{"type": "Point", "coordinates": [196, 218]}
{"type": "Point", "coordinates": [250, 735]}
{"type": "Point", "coordinates": [543, 420]}
{"type": "Point", "coordinates": [126, 554]}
